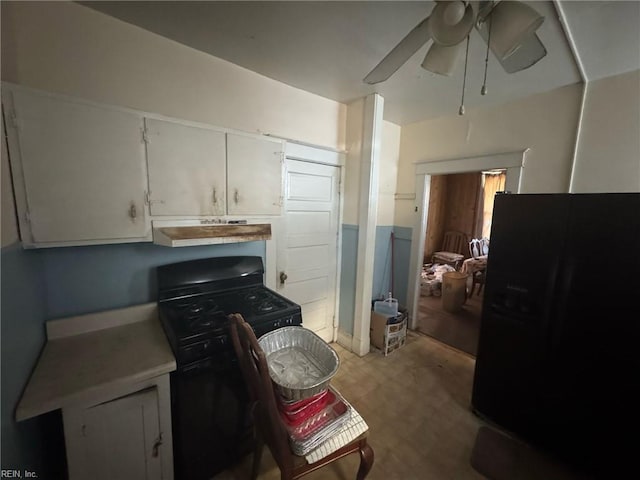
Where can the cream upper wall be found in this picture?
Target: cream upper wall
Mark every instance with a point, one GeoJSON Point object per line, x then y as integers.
{"type": "Point", "coordinates": [546, 123]}
{"type": "Point", "coordinates": [609, 149]}
{"type": "Point", "coordinates": [355, 129]}
{"type": "Point", "coordinates": [67, 48]}
{"type": "Point", "coordinates": [389, 157]}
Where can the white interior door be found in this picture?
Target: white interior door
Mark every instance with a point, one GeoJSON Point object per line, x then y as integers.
{"type": "Point", "coordinates": [307, 250]}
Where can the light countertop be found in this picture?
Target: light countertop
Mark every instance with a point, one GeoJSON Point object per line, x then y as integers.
{"type": "Point", "coordinates": [87, 357]}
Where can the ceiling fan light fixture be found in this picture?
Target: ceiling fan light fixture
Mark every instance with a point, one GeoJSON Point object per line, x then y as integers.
{"type": "Point", "coordinates": [512, 23]}
{"type": "Point", "coordinates": [454, 12]}
{"type": "Point", "coordinates": [442, 60]}
{"type": "Point", "coordinates": [445, 33]}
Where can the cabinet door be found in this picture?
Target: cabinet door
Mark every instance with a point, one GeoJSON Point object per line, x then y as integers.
{"type": "Point", "coordinates": [254, 180]}
{"type": "Point", "coordinates": [186, 169]}
{"type": "Point", "coordinates": [79, 170]}
{"type": "Point", "coordinates": [118, 439]}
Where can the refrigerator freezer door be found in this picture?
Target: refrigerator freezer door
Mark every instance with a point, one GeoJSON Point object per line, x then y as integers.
{"type": "Point", "coordinates": [527, 237]}
{"type": "Point", "coordinates": [557, 359]}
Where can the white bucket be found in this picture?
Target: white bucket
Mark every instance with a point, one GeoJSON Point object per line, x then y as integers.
{"type": "Point", "coordinates": [388, 307]}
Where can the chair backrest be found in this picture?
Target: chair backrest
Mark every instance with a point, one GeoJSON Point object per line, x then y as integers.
{"type": "Point", "coordinates": [479, 247]}
{"type": "Point", "coordinates": [455, 242]}
{"type": "Point", "coordinates": [255, 371]}
{"type": "Point", "coordinates": [484, 245]}
{"type": "Point", "coordinates": [475, 248]}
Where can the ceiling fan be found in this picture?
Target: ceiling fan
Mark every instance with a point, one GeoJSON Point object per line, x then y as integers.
{"type": "Point", "coordinates": [508, 27]}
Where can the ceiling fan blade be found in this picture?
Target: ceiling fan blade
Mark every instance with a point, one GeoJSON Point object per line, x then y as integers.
{"type": "Point", "coordinates": [402, 52]}
{"type": "Point", "coordinates": [442, 60]}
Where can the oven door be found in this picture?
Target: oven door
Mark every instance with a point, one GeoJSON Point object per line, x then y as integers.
{"type": "Point", "coordinates": [211, 425]}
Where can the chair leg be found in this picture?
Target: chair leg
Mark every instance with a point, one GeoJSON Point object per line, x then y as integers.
{"type": "Point", "coordinates": [257, 457]}
{"type": "Point", "coordinates": [366, 460]}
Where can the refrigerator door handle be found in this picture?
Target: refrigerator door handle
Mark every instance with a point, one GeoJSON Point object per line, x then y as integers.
{"type": "Point", "coordinates": [558, 314]}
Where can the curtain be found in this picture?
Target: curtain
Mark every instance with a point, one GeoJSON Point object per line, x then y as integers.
{"type": "Point", "coordinates": [492, 183]}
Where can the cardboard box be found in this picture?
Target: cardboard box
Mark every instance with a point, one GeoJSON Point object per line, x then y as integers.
{"type": "Point", "coordinates": [378, 329]}
{"type": "Point", "coordinates": [395, 342]}
{"type": "Point", "coordinates": [387, 337]}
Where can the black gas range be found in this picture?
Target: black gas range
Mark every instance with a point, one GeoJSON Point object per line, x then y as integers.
{"type": "Point", "coordinates": [211, 428]}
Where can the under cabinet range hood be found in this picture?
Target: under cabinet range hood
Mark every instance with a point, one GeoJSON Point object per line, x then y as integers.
{"type": "Point", "coordinates": [208, 232]}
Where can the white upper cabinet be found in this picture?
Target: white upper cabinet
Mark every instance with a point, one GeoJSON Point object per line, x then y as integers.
{"type": "Point", "coordinates": [187, 169]}
{"type": "Point", "coordinates": [85, 173]}
{"type": "Point", "coordinates": [254, 175]}
{"type": "Point", "coordinates": [79, 170]}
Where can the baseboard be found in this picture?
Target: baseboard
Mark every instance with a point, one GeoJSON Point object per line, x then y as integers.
{"type": "Point", "coordinates": [345, 340]}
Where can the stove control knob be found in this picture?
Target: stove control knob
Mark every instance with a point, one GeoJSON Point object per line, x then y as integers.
{"type": "Point", "coordinates": [283, 278]}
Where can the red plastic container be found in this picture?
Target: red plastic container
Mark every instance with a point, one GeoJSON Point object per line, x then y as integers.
{"type": "Point", "coordinates": [302, 429]}
{"type": "Point", "coordinates": [297, 412]}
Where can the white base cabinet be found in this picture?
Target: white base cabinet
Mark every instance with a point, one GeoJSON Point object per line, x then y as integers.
{"type": "Point", "coordinates": [120, 439]}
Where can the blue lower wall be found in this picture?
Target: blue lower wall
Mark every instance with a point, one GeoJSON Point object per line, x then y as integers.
{"type": "Point", "coordinates": [401, 260]}
{"type": "Point", "coordinates": [348, 278]}
{"type": "Point", "coordinates": [381, 268]}
{"type": "Point", "coordinates": [102, 277]}
{"type": "Point", "coordinates": [38, 285]}
{"type": "Point", "coordinates": [22, 332]}
{"type": "Point", "coordinates": [382, 263]}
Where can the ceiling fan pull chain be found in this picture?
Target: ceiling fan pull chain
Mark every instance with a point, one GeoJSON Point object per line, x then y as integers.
{"type": "Point", "coordinates": [464, 79]}
{"type": "Point", "coordinates": [483, 90]}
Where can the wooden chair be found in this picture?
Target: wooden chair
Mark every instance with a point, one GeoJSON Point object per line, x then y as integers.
{"type": "Point", "coordinates": [269, 427]}
{"type": "Point", "coordinates": [477, 279]}
{"type": "Point", "coordinates": [478, 247]}
{"type": "Point", "coordinates": [452, 247]}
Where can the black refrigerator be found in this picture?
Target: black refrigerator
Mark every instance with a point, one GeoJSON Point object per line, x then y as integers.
{"type": "Point", "coordinates": [558, 360]}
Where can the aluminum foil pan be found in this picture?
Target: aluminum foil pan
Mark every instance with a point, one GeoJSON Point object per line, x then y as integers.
{"type": "Point", "coordinates": [301, 364]}
{"type": "Point", "coordinates": [321, 426]}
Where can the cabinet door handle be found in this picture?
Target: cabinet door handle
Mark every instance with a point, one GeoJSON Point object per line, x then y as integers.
{"type": "Point", "coordinates": [215, 197]}
{"type": "Point", "coordinates": [236, 197]}
{"type": "Point", "coordinates": [283, 278]}
{"type": "Point", "coordinates": [156, 446]}
{"type": "Point", "coordinates": [133, 213]}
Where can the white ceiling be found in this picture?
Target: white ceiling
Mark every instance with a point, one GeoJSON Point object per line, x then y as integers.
{"type": "Point", "coordinates": [328, 47]}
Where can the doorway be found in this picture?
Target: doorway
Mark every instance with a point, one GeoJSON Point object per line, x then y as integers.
{"type": "Point", "coordinates": [460, 204]}
{"type": "Point", "coordinates": [512, 163]}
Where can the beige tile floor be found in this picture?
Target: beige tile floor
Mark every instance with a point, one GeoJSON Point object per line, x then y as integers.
{"type": "Point", "coordinates": [416, 402]}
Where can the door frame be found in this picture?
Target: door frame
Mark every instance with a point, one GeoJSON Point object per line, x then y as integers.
{"type": "Point", "coordinates": [512, 162]}
{"type": "Point", "coordinates": [303, 152]}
